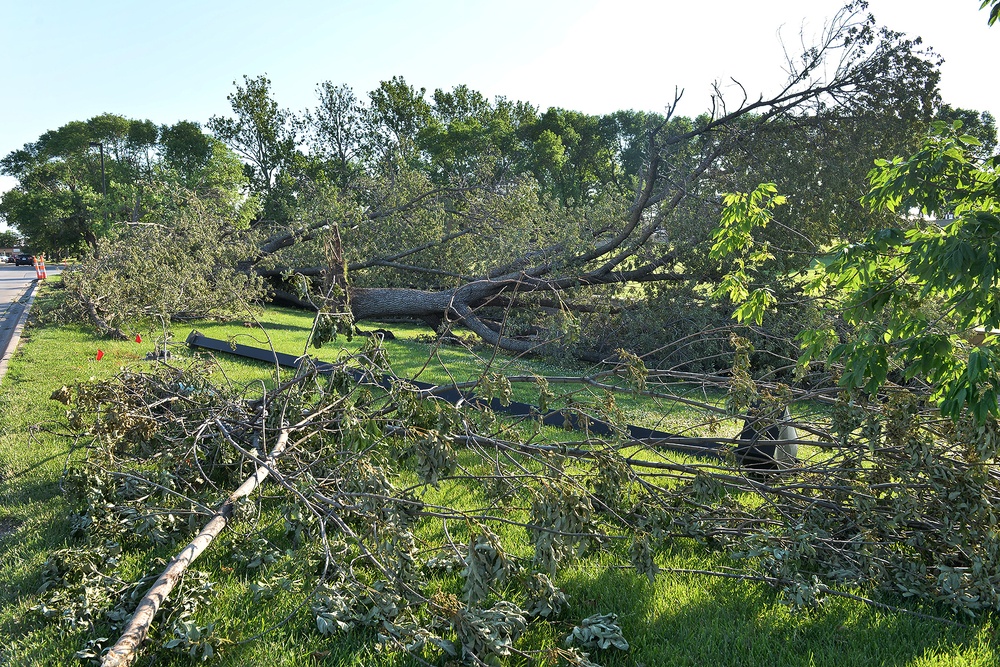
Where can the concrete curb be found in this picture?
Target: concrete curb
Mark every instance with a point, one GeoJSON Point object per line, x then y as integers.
{"type": "Point", "coordinates": [25, 302]}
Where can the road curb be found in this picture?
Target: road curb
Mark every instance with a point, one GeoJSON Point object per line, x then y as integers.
{"type": "Point", "coordinates": [25, 301]}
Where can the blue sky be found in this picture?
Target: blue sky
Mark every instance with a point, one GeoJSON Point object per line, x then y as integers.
{"type": "Point", "coordinates": [69, 60]}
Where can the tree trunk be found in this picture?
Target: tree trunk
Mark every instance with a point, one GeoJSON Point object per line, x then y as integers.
{"type": "Point", "coordinates": [374, 303]}
{"type": "Point", "coordinates": [453, 305]}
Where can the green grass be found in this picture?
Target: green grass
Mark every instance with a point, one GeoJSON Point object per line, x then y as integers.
{"type": "Point", "coordinates": [680, 619]}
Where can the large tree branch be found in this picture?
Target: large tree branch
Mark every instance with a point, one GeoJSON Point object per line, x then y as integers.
{"type": "Point", "coordinates": [388, 260]}
{"type": "Point", "coordinates": [308, 231]}
{"type": "Point", "coordinates": [470, 320]}
{"type": "Point", "coordinates": [99, 322]}
{"type": "Point", "coordinates": [625, 242]}
{"type": "Point", "coordinates": [123, 652]}
{"type": "Point", "coordinates": [657, 221]}
{"type": "Point", "coordinates": [373, 303]}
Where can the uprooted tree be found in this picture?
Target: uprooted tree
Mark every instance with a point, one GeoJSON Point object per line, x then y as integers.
{"type": "Point", "coordinates": [429, 232]}
{"type": "Point", "coordinates": [573, 230]}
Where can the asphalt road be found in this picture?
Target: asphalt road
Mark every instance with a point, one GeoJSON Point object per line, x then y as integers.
{"type": "Point", "coordinates": [14, 284]}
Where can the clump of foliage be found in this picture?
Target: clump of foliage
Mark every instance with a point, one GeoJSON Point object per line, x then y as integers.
{"type": "Point", "coordinates": [680, 328]}
{"type": "Point", "coordinates": [182, 262]}
{"type": "Point", "coordinates": [915, 292]}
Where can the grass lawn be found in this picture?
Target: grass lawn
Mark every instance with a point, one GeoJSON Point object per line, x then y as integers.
{"type": "Point", "coordinates": [680, 619]}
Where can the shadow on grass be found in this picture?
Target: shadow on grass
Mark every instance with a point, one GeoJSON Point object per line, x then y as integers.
{"type": "Point", "coordinates": [24, 472]}
{"type": "Point", "coordinates": [698, 620]}
{"type": "Point", "coordinates": [25, 544]}
{"type": "Point", "coordinates": [31, 492]}
{"type": "Point", "coordinates": [252, 330]}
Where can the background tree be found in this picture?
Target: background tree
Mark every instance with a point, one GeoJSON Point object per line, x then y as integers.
{"type": "Point", "coordinates": [468, 138]}
{"type": "Point", "coordinates": [59, 203]}
{"type": "Point", "coordinates": [395, 111]}
{"type": "Point", "coordinates": [9, 239]}
{"type": "Point", "coordinates": [186, 149]}
{"type": "Point", "coordinates": [335, 131]}
{"type": "Point", "coordinates": [264, 135]}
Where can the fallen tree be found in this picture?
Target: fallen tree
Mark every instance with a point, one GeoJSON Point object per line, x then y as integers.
{"type": "Point", "coordinates": [447, 246]}
{"type": "Point", "coordinates": [183, 265]}
{"type": "Point", "coordinates": [447, 528]}
{"type": "Point", "coordinates": [500, 243]}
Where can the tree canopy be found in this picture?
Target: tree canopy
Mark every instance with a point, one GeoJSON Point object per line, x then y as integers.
{"type": "Point", "coordinates": [77, 182]}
